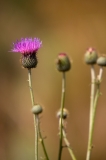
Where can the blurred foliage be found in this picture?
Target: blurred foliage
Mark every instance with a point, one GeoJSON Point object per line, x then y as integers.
{"type": "Point", "coordinates": [63, 26]}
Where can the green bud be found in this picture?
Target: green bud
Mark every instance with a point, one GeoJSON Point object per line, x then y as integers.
{"type": "Point", "coordinates": [63, 62]}
{"type": "Point", "coordinates": [37, 109]}
{"type": "Point", "coordinates": [65, 113]}
{"type": "Point", "coordinates": [90, 56]}
{"type": "Point", "coordinates": [101, 61]}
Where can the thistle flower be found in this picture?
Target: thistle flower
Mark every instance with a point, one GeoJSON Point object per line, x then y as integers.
{"type": "Point", "coordinates": [28, 48]}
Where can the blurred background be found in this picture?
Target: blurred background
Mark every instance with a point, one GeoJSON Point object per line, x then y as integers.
{"type": "Point", "coordinates": [69, 26]}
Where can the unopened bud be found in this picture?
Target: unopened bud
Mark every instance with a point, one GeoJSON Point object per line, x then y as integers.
{"type": "Point", "coordinates": [91, 56]}
{"type": "Point", "coordinates": [37, 109]}
{"type": "Point", "coordinates": [65, 113]}
{"type": "Point", "coordinates": [63, 62]}
{"type": "Point", "coordinates": [101, 61]}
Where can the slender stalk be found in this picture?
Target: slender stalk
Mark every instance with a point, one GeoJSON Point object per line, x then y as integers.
{"type": "Point", "coordinates": [62, 107]}
{"type": "Point", "coordinates": [35, 117]}
{"type": "Point", "coordinates": [30, 87]}
{"type": "Point", "coordinates": [92, 118]}
{"type": "Point", "coordinates": [100, 74]}
{"type": "Point", "coordinates": [68, 145]}
{"type": "Point", "coordinates": [36, 124]}
{"type": "Point", "coordinates": [92, 125]}
{"type": "Point", "coordinates": [93, 81]}
{"type": "Point", "coordinates": [43, 145]}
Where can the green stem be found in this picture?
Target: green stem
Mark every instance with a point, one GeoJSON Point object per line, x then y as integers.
{"type": "Point", "coordinates": [43, 145]}
{"type": "Point", "coordinates": [35, 117]}
{"type": "Point", "coordinates": [36, 124]}
{"type": "Point", "coordinates": [30, 87]}
{"type": "Point", "coordinates": [62, 107]}
{"type": "Point", "coordinates": [92, 125]}
{"type": "Point", "coordinates": [68, 146]}
{"type": "Point", "coordinates": [93, 83]}
{"type": "Point", "coordinates": [95, 101]}
{"type": "Point", "coordinates": [91, 107]}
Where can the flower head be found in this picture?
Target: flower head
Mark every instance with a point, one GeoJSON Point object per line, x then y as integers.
{"type": "Point", "coordinates": [27, 45]}
{"type": "Point", "coordinates": [28, 48]}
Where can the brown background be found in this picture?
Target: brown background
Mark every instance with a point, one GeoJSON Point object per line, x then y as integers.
{"type": "Point", "coordinates": [69, 26]}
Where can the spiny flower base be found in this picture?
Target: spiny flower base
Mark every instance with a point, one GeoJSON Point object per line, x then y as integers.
{"type": "Point", "coordinates": [29, 61]}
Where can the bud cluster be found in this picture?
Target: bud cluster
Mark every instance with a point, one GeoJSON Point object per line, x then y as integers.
{"type": "Point", "coordinates": [91, 58]}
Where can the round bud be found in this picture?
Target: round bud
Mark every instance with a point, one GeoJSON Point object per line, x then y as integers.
{"type": "Point", "coordinates": [90, 56]}
{"type": "Point", "coordinates": [101, 61]}
{"type": "Point", "coordinates": [63, 62]}
{"type": "Point", "coordinates": [37, 109]}
{"type": "Point", "coordinates": [65, 113]}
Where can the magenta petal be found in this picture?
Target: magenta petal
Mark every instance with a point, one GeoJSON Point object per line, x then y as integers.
{"type": "Point", "coordinates": [27, 45]}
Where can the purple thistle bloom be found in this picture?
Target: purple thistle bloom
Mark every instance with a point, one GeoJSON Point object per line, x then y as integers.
{"type": "Point", "coordinates": [27, 46]}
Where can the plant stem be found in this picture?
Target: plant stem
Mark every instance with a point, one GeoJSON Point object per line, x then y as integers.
{"type": "Point", "coordinates": [91, 108]}
{"type": "Point", "coordinates": [93, 81]}
{"type": "Point", "coordinates": [36, 124]}
{"type": "Point", "coordinates": [42, 142]}
{"type": "Point", "coordinates": [93, 113]}
{"type": "Point", "coordinates": [100, 74]}
{"type": "Point", "coordinates": [92, 125]}
{"type": "Point", "coordinates": [36, 116]}
{"type": "Point", "coordinates": [62, 107]}
{"type": "Point", "coordinates": [68, 146]}
{"type": "Point", "coordinates": [30, 87]}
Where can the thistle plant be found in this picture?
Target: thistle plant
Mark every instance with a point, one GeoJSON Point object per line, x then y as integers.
{"type": "Point", "coordinates": [91, 58]}
{"type": "Point", "coordinates": [28, 48]}
{"type": "Point", "coordinates": [63, 65]}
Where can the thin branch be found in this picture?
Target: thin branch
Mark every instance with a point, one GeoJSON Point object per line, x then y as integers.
{"type": "Point", "coordinates": [35, 117]}
{"type": "Point", "coordinates": [68, 146]}
{"type": "Point", "coordinates": [62, 107]}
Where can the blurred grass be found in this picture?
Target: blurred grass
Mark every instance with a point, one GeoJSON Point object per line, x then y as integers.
{"type": "Point", "coordinates": [66, 26]}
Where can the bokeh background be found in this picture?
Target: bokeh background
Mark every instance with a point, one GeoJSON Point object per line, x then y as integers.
{"type": "Point", "coordinates": [69, 26]}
